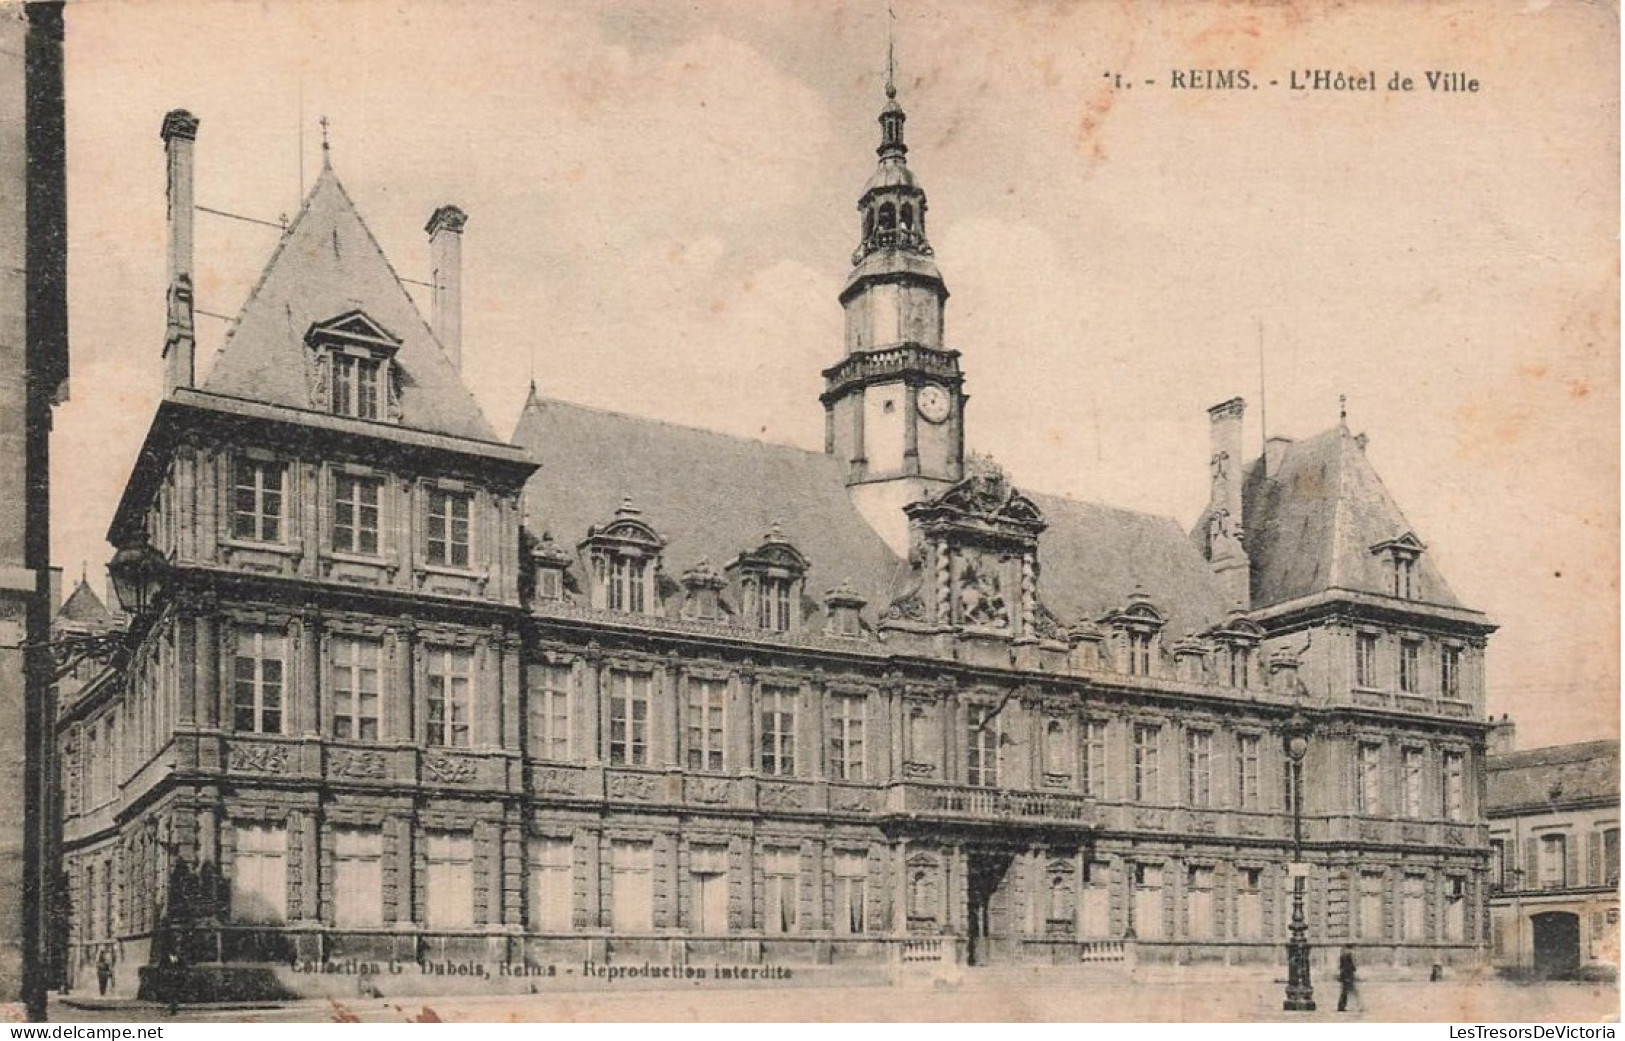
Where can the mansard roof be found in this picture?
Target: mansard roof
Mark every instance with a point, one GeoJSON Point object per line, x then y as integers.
{"type": "Point", "coordinates": [1552, 777]}
{"type": "Point", "coordinates": [1313, 521]}
{"type": "Point", "coordinates": [712, 495]}
{"type": "Point", "coordinates": [329, 267]}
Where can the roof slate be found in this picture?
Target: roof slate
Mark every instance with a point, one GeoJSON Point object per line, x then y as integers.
{"type": "Point", "coordinates": [1311, 521]}
{"type": "Point", "coordinates": [327, 264]}
{"type": "Point", "coordinates": [1556, 774]}
{"type": "Point", "coordinates": [714, 496]}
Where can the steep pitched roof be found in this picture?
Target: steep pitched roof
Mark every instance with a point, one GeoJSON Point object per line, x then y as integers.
{"type": "Point", "coordinates": [1553, 775]}
{"type": "Point", "coordinates": [329, 264]}
{"type": "Point", "coordinates": [84, 607]}
{"type": "Point", "coordinates": [1311, 522]}
{"type": "Point", "coordinates": [714, 496]}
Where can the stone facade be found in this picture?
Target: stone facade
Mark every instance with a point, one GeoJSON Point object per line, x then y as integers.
{"type": "Point", "coordinates": [414, 694]}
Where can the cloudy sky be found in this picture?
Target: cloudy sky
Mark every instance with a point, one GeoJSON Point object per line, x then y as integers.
{"type": "Point", "coordinates": [661, 202]}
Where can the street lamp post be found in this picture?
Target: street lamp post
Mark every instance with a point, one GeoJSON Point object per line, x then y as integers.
{"type": "Point", "coordinates": [1300, 993]}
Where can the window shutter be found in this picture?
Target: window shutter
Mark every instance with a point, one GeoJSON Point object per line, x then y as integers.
{"type": "Point", "coordinates": [1594, 859]}
{"type": "Point", "coordinates": [1571, 867]}
{"type": "Point", "coordinates": [1531, 864]}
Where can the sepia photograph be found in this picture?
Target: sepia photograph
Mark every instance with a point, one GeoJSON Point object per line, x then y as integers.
{"type": "Point", "coordinates": [861, 511]}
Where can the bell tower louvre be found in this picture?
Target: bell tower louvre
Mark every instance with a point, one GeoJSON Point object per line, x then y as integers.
{"type": "Point", "coordinates": [894, 405]}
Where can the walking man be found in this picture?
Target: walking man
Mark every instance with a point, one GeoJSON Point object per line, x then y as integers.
{"type": "Point", "coordinates": [1345, 979]}
{"type": "Point", "coordinates": [104, 971]}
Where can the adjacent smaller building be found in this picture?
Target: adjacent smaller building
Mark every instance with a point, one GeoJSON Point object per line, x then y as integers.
{"type": "Point", "coordinates": [1554, 840]}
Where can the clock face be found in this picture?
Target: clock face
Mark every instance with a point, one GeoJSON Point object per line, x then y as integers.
{"type": "Point", "coordinates": [933, 403]}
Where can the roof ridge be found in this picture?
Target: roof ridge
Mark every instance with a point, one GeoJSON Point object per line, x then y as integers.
{"type": "Point", "coordinates": [538, 401]}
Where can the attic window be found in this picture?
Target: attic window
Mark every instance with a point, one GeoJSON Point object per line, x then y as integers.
{"type": "Point", "coordinates": [1402, 554]}
{"type": "Point", "coordinates": [353, 356]}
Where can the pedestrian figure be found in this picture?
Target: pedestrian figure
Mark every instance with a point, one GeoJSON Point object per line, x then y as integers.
{"type": "Point", "coordinates": [171, 974]}
{"type": "Point", "coordinates": [1345, 979]}
{"type": "Point", "coordinates": [104, 971]}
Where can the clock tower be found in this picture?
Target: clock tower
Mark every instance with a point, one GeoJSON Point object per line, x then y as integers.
{"type": "Point", "coordinates": [894, 407]}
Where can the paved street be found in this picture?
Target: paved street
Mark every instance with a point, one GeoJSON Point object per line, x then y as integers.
{"type": "Point", "coordinates": [1005, 996]}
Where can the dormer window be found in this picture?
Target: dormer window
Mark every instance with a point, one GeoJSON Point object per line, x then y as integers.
{"type": "Point", "coordinates": [769, 581]}
{"type": "Point", "coordinates": [548, 564]}
{"type": "Point", "coordinates": [1237, 663]}
{"type": "Point", "coordinates": [625, 562]}
{"type": "Point", "coordinates": [1401, 555]}
{"type": "Point", "coordinates": [1136, 630]}
{"type": "Point", "coordinates": [354, 360]}
{"type": "Point", "coordinates": [356, 389]}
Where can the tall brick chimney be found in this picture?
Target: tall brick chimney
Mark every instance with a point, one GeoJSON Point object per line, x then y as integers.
{"type": "Point", "coordinates": [179, 132]}
{"type": "Point", "coordinates": [1224, 520]}
{"type": "Point", "coordinates": [445, 230]}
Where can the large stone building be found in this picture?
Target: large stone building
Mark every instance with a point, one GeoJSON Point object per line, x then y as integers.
{"type": "Point", "coordinates": [1554, 865]}
{"type": "Point", "coordinates": [621, 690]}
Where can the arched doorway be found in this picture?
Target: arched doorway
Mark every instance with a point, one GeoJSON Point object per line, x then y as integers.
{"type": "Point", "coordinates": [1557, 943]}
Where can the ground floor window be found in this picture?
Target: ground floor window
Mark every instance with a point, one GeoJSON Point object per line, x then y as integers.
{"type": "Point", "coordinates": [851, 874]}
{"type": "Point", "coordinates": [1199, 903]}
{"type": "Point", "coordinates": [1148, 901]}
{"type": "Point", "coordinates": [632, 893]}
{"type": "Point", "coordinates": [259, 883]}
{"type": "Point", "coordinates": [781, 874]}
{"type": "Point", "coordinates": [1413, 909]}
{"type": "Point", "coordinates": [450, 881]}
{"type": "Point", "coordinates": [358, 877]}
{"type": "Point", "coordinates": [551, 898]}
{"type": "Point", "coordinates": [1455, 909]}
{"type": "Point", "coordinates": [1250, 903]}
{"type": "Point", "coordinates": [1095, 909]}
{"type": "Point", "coordinates": [1370, 906]}
{"type": "Point", "coordinates": [708, 889]}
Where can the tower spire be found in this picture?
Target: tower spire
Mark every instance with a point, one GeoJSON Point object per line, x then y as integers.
{"type": "Point", "coordinates": [891, 63]}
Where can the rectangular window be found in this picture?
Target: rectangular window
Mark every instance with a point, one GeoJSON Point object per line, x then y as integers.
{"type": "Point", "coordinates": [358, 878]}
{"type": "Point", "coordinates": [1413, 909]}
{"type": "Point", "coordinates": [450, 881]}
{"type": "Point", "coordinates": [356, 386]}
{"type": "Point", "coordinates": [448, 527]}
{"type": "Point", "coordinates": [1147, 779]}
{"type": "Point", "coordinates": [1410, 781]}
{"type": "Point", "coordinates": [1247, 772]}
{"type": "Point", "coordinates": [1139, 654]}
{"type": "Point", "coordinates": [1365, 660]}
{"type": "Point", "coordinates": [1553, 861]}
{"type": "Point", "coordinates": [1240, 658]}
{"type": "Point", "coordinates": [1455, 909]}
{"type": "Point", "coordinates": [259, 881]}
{"type": "Point", "coordinates": [1148, 901]}
{"type": "Point", "coordinates": [1410, 666]}
{"type": "Point", "coordinates": [1404, 577]}
{"type": "Point", "coordinates": [851, 892]}
{"type": "Point", "coordinates": [1498, 865]}
{"type": "Point", "coordinates": [1094, 758]}
{"type": "Point", "coordinates": [708, 889]}
{"type": "Point", "coordinates": [626, 581]}
{"type": "Point", "coordinates": [550, 712]}
{"type": "Point", "coordinates": [1371, 884]}
{"type": "Point", "coordinates": [1199, 903]}
{"type": "Point", "coordinates": [355, 514]}
{"type": "Point", "coordinates": [1610, 856]}
{"type": "Point", "coordinates": [1250, 904]}
{"type": "Point", "coordinates": [354, 673]}
{"type": "Point", "coordinates": [1368, 785]}
{"type": "Point", "coordinates": [846, 736]}
{"type": "Point", "coordinates": [1452, 788]}
{"type": "Point", "coordinates": [256, 500]}
{"type": "Point", "coordinates": [773, 605]}
{"type": "Point", "coordinates": [707, 701]}
{"type": "Point", "coordinates": [778, 731]}
{"type": "Point", "coordinates": [1450, 672]}
{"type": "Point", "coordinates": [1199, 767]}
{"type": "Point", "coordinates": [551, 900]}
{"type": "Point", "coordinates": [781, 875]}
{"type": "Point", "coordinates": [450, 697]}
{"type": "Point", "coordinates": [1095, 909]}
{"type": "Point", "coordinates": [257, 682]}
{"type": "Point", "coordinates": [982, 748]}
{"type": "Point", "coordinates": [629, 719]}
{"type": "Point", "coordinates": [632, 894]}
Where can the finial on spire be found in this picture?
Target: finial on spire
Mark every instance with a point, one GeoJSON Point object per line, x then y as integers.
{"type": "Point", "coordinates": [1343, 409]}
{"type": "Point", "coordinates": [325, 146]}
{"type": "Point", "coordinates": [891, 63]}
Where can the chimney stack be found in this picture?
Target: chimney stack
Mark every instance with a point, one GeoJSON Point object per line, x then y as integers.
{"type": "Point", "coordinates": [1224, 513]}
{"type": "Point", "coordinates": [180, 345]}
{"type": "Point", "coordinates": [1503, 735]}
{"type": "Point", "coordinates": [445, 230]}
